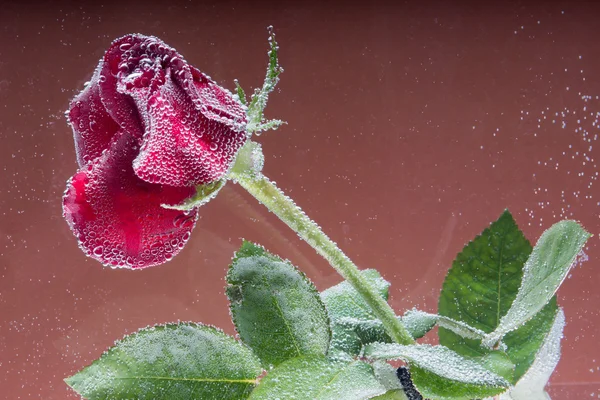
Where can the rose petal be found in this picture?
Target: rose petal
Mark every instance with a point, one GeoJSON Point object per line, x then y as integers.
{"type": "Point", "coordinates": [93, 127]}
{"type": "Point", "coordinates": [215, 102]}
{"type": "Point", "coordinates": [181, 147]}
{"type": "Point", "coordinates": [192, 127]}
{"type": "Point", "coordinates": [118, 218]}
{"type": "Point", "coordinates": [120, 106]}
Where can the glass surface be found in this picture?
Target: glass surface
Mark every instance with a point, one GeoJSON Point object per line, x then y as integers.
{"type": "Point", "coordinates": [411, 128]}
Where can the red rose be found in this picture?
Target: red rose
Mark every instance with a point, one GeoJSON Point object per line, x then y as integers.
{"type": "Point", "coordinates": [147, 128]}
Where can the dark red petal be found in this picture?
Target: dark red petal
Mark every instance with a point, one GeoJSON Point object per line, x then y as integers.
{"type": "Point", "coordinates": [118, 218]}
{"type": "Point", "coordinates": [214, 102]}
{"type": "Point", "coordinates": [120, 106]}
{"type": "Point", "coordinates": [93, 127]}
{"type": "Point", "coordinates": [192, 127]}
{"type": "Point", "coordinates": [181, 147]}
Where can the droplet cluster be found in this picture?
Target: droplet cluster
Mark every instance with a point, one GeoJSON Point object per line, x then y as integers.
{"type": "Point", "coordinates": [93, 127]}
{"type": "Point", "coordinates": [117, 217]}
{"type": "Point", "coordinates": [181, 147]}
{"type": "Point", "coordinates": [192, 128]}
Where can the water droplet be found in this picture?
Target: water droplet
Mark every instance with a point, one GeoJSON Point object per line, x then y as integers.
{"type": "Point", "coordinates": [184, 221]}
{"type": "Point", "coordinates": [98, 250]}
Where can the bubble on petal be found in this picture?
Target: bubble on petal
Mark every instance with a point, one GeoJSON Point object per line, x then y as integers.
{"type": "Point", "coordinates": [118, 218]}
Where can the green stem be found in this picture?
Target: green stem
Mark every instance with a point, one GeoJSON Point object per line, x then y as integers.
{"type": "Point", "coordinates": [279, 204]}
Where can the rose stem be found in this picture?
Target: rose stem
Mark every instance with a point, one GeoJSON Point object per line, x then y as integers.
{"type": "Point", "coordinates": [281, 205]}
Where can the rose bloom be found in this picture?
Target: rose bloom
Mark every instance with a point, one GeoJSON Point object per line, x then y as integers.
{"type": "Point", "coordinates": [148, 127]}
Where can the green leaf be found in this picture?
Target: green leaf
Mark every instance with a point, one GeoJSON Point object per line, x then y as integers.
{"type": "Point", "coordinates": [175, 361]}
{"type": "Point", "coordinates": [272, 124]}
{"type": "Point", "coordinates": [523, 344]}
{"type": "Point", "coordinates": [431, 385]}
{"type": "Point", "coordinates": [418, 323]}
{"type": "Point", "coordinates": [204, 194]}
{"type": "Point", "coordinates": [460, 328]}
{"type": "Point", "coordinates": [345, 343]}
{"type": "Point", "coordinates": [347, 310]}
{"type": "Point", "coordinates": [531, 385]}
{"type": "Point", "coordinates": [343, 301]}
{"type": "Point", "coordinates": [319, 378]}
{"type": "Point", "coordinates": [258, 102]}
{"type": "Point", "coordinates": [386, 375]}
{"type": "Point", "coordinates": [499, 363]}
{"type": "Point", "coordinates": [351, 334]}
{"type": "Point", "coordinates": [546, 268]}
{"type": "Point", "coordinates": [483, 282]}
{"type": "Point", "coordinates": [397, 394]}
{"type": "Point", "coordinates": [277, 311]}
{"type": "Point", "coordinates": [240, 92]}
{"type": "Point", "coordinates": [438, 372]}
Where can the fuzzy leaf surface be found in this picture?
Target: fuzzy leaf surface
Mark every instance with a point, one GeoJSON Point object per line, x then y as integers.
{"type": "Point", "coordinates": [175, 361]}
{"type": "Point", "coordinates": [396, 394]}
{"type": "Point", "coordinates": [319, 378]}
{"type": "Point", "coordinates": [440, 373]}
{"type": "Point", "coordinates": [277, 311]}
{"type": "Point", "coordinates": [258, 101]}
{"type": "Point", "coordinates": [348, 311]}
{"type": "Point", "coordinates": [386, 374]}
{"type": "Point", "coordinates": [545, 269]}
{"type": "Point", "coordinates": [524, 343]}
{"type": "Point", "coordinates": [531, 385]}
{"type": "Point", "coordinates": [483, 282]}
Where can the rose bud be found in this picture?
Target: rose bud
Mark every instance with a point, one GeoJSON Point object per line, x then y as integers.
{"type": "Point", "coordinates": [148, 128]}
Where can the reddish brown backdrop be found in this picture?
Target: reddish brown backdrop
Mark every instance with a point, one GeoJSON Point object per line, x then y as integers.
{"type": "Point", "coordinates": [411, 127]}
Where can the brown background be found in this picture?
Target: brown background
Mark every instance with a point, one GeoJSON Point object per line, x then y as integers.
{"type": "Point", "coordinates": [411, 127]}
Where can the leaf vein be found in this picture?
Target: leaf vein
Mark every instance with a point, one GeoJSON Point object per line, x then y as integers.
{"type": "Point", "coordinates": [287, 326]}
{"type": "Point", "coordinates": [170, 378]}
{"type": "Point", "coordinates": [334, 378]}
